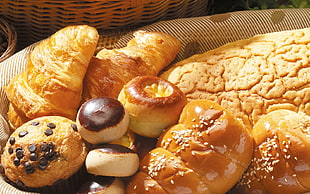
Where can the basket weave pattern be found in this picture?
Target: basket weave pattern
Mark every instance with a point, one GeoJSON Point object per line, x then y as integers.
{"type": "Point", "coordinates": [37, 19]}
{"type": "Point", "coordinates": [8, 39]}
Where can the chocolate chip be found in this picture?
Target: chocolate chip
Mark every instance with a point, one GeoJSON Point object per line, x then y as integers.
{"type": "Point", "coordinates": [10, 150]}
{"type": "Point", "coordinates": [51, 146]}
{"type": "Point", "coordinates": [22, 133]}
{"type": "Point", "coordinates": [28, 168]}
{"type": "Point", "coordinates": [48, 132]}
{"type": "Point", "coordinates": [74, 127]}
{"type": "Point", "coordinates": [50, 155]}
{"type": "Point", "coordinates": [51, 125]}
{"type": "Point", "coordinates": [16, 161]}
{"type": "Point", "coordinates": [43, 161]}
{"type": "Point", "coordinates": [35, 123]}
{"type": "Point", "coordinates": [42, 167]}
{"type": "Point", "coordinates": [19, 154]}
{"type": "Point", "coordinates": [33, 156]}
{"type": "Point", "coordinates": [12, 140]}
{"type": "Point", "coordinates": [44, 147]}
{"type": "Point", "coordinates": [32, 148]}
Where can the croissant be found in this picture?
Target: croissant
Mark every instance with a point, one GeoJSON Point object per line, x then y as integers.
{"type": "Point", "coordinates": [146, 54]}
{"type": "Point", "coordinates": [52, 81]}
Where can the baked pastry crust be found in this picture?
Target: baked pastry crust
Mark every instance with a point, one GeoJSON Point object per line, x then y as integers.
{"type": "Point", "coordinates": [206, 152]}
{"type": "Point", "coordinates": [280, 162]}
{"type": "Point", "coordinates": [250, 77]}
{"type": "Point", "coordinates": [53, 79]}
{"type": "Point", "coordinates": [146, 54]}
{"type": "Point", "coordinates": [50, 149]}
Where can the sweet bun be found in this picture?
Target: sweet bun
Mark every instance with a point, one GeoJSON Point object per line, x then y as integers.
{"type": "Point", "coordinates": [171, 173]}
{"type": "Point", "coordinates": [142, 183]}
{"type": "Point", "coordinates": [102, 185]}
{"type": "Point", "coordinates": [112, 160]}
{"type": "Point", "coordinates": [280, 163]}
{"type": "Point", "coordinates": [153, 104]}
{"type": "Point", "coordinates": [102, 120]}
{"type": "Point", "coordinates": [43, 151]}
{"type": "Point", "coordinates": [207, 151]}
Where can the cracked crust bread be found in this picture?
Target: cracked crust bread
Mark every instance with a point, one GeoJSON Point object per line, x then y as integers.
{"type": "Point", "coordinates": [250, 77]}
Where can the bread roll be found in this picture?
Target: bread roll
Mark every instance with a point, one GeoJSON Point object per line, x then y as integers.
{"type": "Point", "coordinates": [207, 151]}
{"type": "Point", "coordinates": [250, 77]}
{"type": "Point", "coordinates": [43, 151]}
{"type": "Point", "coordinates": [146, 54]}
{"type": "Point", "coordinates": [52, 81]}
{"type": "Point", "coordinates": [112, 160]}
{"type": "Point", "coordinates": [102, 120]}
{"type": "Point", "coordinates": [281, 162]}
{"type": "Point", "coordinates": [153, 104]}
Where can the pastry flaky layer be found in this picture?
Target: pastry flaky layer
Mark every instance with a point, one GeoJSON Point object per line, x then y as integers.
{"type": "Point", "coordinates": [207, 151]}
{"type": "Point", "coordinates": [250, 77]}
{"type": "Point", "coordinates": [52, 81]}
{"type": "Point", "coordinates": [146, 54]}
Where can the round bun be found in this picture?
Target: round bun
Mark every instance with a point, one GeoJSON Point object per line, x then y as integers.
{"type": "Point", "coordinates": [112, 160]}
{"type": "Point", "coordinates": [102, 185]}
{"type": "Point", "coordinates": [102, 120]}
{"type": "Point", "coordinates": [153, 104]}
{"type": "Point", "coordinates": [280, 163]}
{"type": "Point", "coordinates": [207, 151]}
{"type": "Point", "coordinates": [43, 151]}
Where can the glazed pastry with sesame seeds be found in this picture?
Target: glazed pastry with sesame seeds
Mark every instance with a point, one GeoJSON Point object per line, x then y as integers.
{"type": "Point", "coordinates": [43, 151]}
{"type": "Point", "coordinates": [207, 151]}
{"type": "Point", "coordinates": [281, 155]}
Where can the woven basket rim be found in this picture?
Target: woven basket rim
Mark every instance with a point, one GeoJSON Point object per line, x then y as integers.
{"type": "Point", "coordinates": [10, 34]}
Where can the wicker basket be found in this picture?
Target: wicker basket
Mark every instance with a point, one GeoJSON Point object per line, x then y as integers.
{"type": "Point", "coordinates": [37, 19]}
{"type": "Point", "coordinates": [8, 38]}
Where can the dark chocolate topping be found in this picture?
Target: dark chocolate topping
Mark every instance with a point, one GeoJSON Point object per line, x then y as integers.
{"type": "Point", "coordinates": [12, 140]}
{"type": "Point", "coordinates": [32, 148]}
{"type": "Point", "coordinates": [22, 133]}
{"type": "Point", "coordinates": [96, 184]}
{"type": "Point", "coordinates": [48, 132]}
{"type": "Point", "coordinates": [100, 113]}
{"type": "Point", "coordinates": [51, 125]}
{"type": "Point", "coordinates": [35, 123]}
{"type": "Point", "coordinates": [113, 148]}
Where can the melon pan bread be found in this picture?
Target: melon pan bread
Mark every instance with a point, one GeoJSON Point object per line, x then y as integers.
{"type": "Point", "coordinates": [250, 77]}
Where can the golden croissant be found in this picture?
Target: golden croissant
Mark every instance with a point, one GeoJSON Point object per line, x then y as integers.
{"type": "Point", "coordinates": [52, 81]}
{"type": "Point", "coordinates": [146, 54]}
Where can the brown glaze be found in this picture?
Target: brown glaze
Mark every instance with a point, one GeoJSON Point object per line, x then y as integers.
{"type": "Point", "coordinates": [99, 113]}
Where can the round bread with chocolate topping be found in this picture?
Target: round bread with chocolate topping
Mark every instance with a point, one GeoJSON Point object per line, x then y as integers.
{"type": "Point", "coordinates": [43, 151]}
{"type": "Point", "coordinates": [102, 185]}
{"type": "Point", "coordinates": [102, 120]}
{"type": "Point", "coordinates": [112, 160]}
{"type": "Point", "coordinates": [153, 104]}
